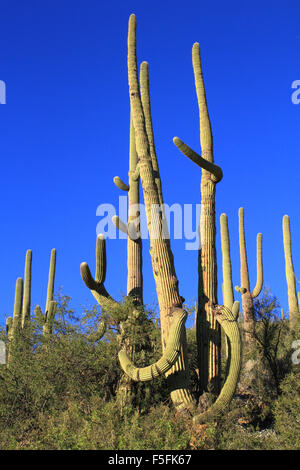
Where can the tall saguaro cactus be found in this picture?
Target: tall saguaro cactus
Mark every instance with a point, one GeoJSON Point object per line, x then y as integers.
{"type": "Point", "coordinates": [294, 315]}
{"type": "Point", "coordinates": [208, 330]}
{"type": "Point", "coordinates": [160, 251]}
{"type": "Point", "coordinates": [173, 362]}
{"type": "Point", "coordinates": [47, 318]}
{"type": "Point", "coordinates": [244, 289]}
{"type": "Point", "coordinates": [16, 325]}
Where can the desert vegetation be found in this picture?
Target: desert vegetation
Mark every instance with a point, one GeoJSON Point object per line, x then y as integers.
{"type": "Point", "coordinates": [121, 376]}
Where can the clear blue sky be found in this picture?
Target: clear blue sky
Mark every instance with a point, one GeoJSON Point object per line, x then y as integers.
{"type": "Point", "coordinates": [65, 130]}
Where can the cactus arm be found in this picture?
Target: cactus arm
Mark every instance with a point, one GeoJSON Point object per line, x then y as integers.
{"type": "Point", "coordinates": [259, 281]}
{"type": "Point", "coordinates": [100, 274]}
{"type": "Point", "coordinates": [136, 174]}
{"type": "Point", "coordinates": [51, 277]}
{"type": "Point", "coordinates": [245, 283]}
{"type": "Point", "coordinates": [206, 138]}
{"type": "Point", "coordinates": [39, 314]}
{"type": "Point", "coordinates": [215, 170]}
{"type": "Point", "coordinates": [146, 105]}
{"type": "Point", "coordinates": [160, 250]}
{"type": "Point", "coordinates": [94, 337]}
{"type": "Point", "coordinates": [18, 306]}
{"type": "Point", "coordinates": [9, 324]}
{"type": "Point", "coordinates": [289, 271]}
{"type": "Point", "coordinates": [98, 290]}
{"type": "Point", "coordinates": [120, 184]}
{"type": "Point", "coordinates": [27, 289]}
{"type": "Point", "coordinates": [119, 224]}
{"type": "Point", "coordinates": [96, 286]}
{"type": "Point", "coordinates": [169, 357]}
{"type": "Point", "coordinates": [228, 298]}
{"type": "Point", "coordinates": [227, 320]}
{"type": "Point", "coordinates": [236, 309]}
{"type": "Point", "coordinates": [49, 318]}
{"type": "Point", "coordinates": [134, 242]}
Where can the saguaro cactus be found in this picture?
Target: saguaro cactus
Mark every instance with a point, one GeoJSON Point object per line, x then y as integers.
{"type": "Point", "coordinates": [244, 289]}
{"type": "Point", "coordinates": [173, 363]}
{"type": "Point", "coordinates": [47, 318]}
{"type": "Point", "coordinates": [208, 331]}
{"type": "Point", "coordinates": [290, 273]}
{"type": "Point", "coordinates": [160, 251]}
{"type": "Point", "coordinates": [16, 325]}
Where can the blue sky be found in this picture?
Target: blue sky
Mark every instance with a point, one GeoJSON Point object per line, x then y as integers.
{"type": "Point", "coordinates": [65, 131]}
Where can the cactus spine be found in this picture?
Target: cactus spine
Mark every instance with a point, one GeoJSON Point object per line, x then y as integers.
{"type": "Point", "coordinates": [247, 295]}
{"type": "Point", "coordinates": [290, 273]}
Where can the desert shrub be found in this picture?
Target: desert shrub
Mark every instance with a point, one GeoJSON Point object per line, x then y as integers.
{"type": "Point", "coordinates": [287, 411]}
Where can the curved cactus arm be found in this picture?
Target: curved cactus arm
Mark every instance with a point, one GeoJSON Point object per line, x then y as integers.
{"type": "Point", "coordinates": [119, 224]}
{"type": "Point", "coordinates": [215, 170]}
{"type": "Point", "coordinates": [120, 184]}
{"type": "Point", "coordinates": [94, 337]}
{"type": "Point", "coordinates": [259, 281]}
{"type": "Point", "coordinates": [227, 320]}
{"type": "Point", "coordinates": [167, 360]}
{"type": "Point", "coordinates": [97, 288]}
{"type": "Point", "coordinates": [96, 285]}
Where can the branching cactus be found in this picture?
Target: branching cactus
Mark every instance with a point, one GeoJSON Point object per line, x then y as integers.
{"type": "Point", "coordinates": [208, 330]}
{"type": "Point", "coordinates": [290, 273]}
{"type": "Point", "coordinates": [244, 289]}
{"type": "Point", "coordinates": [47, 318]}
{"type": "Point", "coordinates": [173, 362]}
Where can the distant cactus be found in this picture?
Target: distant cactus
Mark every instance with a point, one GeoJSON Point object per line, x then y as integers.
{"type": "Point", "coordinates": [47, 318]}
{"type": "Point", "coordinates": [290, 273]}
{"type": "Point", "coordinates": [16, 325]}
{"type": "Point", "coordinates": [244, 289]}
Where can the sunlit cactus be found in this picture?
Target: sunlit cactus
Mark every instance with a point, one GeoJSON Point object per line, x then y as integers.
{"type": "Point", "coordinates": [294, 315]}
{"type": "Point", "coordinates": [47, 318]}
{"type": "Point", "coordinates": [244, 289]}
